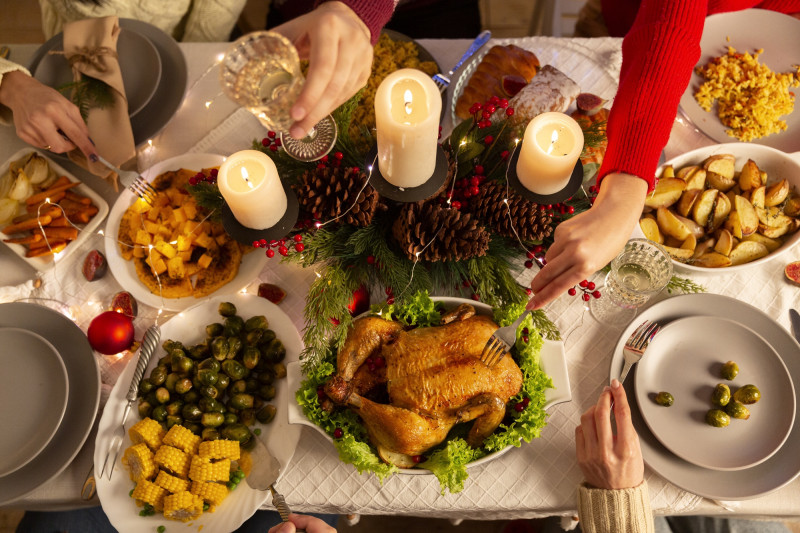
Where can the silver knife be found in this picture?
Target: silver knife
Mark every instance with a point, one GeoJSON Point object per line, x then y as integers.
{"type": "Point", "coordinates": [794, 316]}
{"type": "Point", "coordinates": [263, 475]}
{"type": "Point", "coordinates": [442, 80]}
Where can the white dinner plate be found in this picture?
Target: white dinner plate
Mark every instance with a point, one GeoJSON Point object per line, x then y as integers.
{"type": "Point", "coordinates": [567, 57]}
{"type": "Point", "coordinates": [552, 358]}
{"type": "Point", "coordinates": [139, 63]}
{"type": "Point", "coordinates": [685, 359]}
{"type": "Point", "coordinates": [83, 376]}
{"type": "Point", "coordinates": [747, 31]}
{"type": "Point", "coordinates": [278, 436]}
{"type": "Point", "coordinates": [45, 263]}
{"type": "Point", "coordinates": [33, 396]}
{"type": "Point", "coordinates": [125, 272]}
{"type": "Point", "coordinates": [777, 471]}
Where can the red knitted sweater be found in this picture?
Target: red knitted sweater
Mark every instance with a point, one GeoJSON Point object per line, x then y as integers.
{"type": "Point", "coordinates": [374, 13]}
{"type": "Point", "coordinates": [660, 49]}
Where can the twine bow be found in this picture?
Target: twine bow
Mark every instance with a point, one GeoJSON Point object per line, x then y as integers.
{"type": "Point", "coordinates": [89, 56]}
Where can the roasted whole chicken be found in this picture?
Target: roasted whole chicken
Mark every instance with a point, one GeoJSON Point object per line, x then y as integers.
{"type": "Point", "coordinates": [433, 379]}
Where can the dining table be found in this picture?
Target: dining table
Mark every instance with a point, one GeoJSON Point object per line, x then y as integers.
{"type": "Point", "coordinates": [535, 480]}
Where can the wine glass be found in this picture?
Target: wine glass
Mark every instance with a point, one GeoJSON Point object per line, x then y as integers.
{"type": "Point", "coordinates": [261, 72]}
{"type": "Point", "coordinates": [642, 269]}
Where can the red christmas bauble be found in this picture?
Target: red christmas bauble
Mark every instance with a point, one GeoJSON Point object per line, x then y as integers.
{"type": "Point", "coordinates": [110, 333]}
{"type": "Point", "coordinates": [359, 303]}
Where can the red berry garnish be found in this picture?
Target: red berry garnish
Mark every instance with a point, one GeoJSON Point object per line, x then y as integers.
{"type": "Point", "coordinates": [466, 283]}
{"type": "Point", "coordinates": [504, 154]}
{"type": "Point", "coordinates": [590, 285]}
{"type": "Point", "coordinates": [488, 139]}
{"type": "Point", "coordinates": [526, 401]}
{"type": "Point", "coordinates": [297, 238]}
{"type": "Point", "coordinates": [571, 210]}
{"type": "Point", "coordinates": [214, 172]}
{"type": "Point", "coordinates": [572, 291]}
{"type": "Point", "coordinates": [370, 259]}
{"type": "Point", "coordinates": [583, 284]}
{"type": "Point", "coordinates": [478, 169]}
{"type": "Point", "coordinates": [476, 297]}
{"type": "Point", "coordinates": [299, 247]}
{"type": "Point", "coordinates": [486, 114]}
{"type": "Point", "coordinates": [509, 111]}
{"type": "Point", "coordinates": [265, 142]}
{"type": "Point", "coordinates": [339, 155]}
{"type": "Point", "coordinates": [256, 244]}
{"type": "Point", "coordinates": [519, 407]}
{"type": "Point", "coordinates": [338, 433]}
{"type": "Point", "coordinates": [596, 294]}
{"type": "Point", "coordinates": [418, 459]}
{"type": "Point", "coordinates": [530, 255]}
{"type": "Point", "coordinates": [274, 147]}
{"type": "Point", "coordinates": [390, 300]}
{"type": "Point", "coordinates": [525, 339]}
{"type": "Point", "coordinates": [388, 291]}
{"type": "Point", "coordinates": [334, 321]}
{"type": "Point", "coordinates": [585, 297]}
{"type": "Point", "coordinates": [528, 291]}
{"type": "Point", "coordinates": [284, 251]}
{"type": "Point", "coordinates": [372, 367]}
{"type": "Point", "coordinates": [270, 253]}
{"type": "Point", "coordinates": [503, 103]}
{"type": "Point", "coordinates": [456, 204]}
{"type": "Point", "coordinates": [380, 362]}
{"type": "Point", "coordinates": [271, 134]}
{"type": "Point", "coordinates": [528, 264]}
{"type": "Point", "coordinates": [538, 249]}
{"type": "Point", "coordinates": [474, 191]}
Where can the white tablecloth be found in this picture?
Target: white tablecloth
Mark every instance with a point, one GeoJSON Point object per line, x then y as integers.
{"type": "Point", "coordinates": [538, 479]}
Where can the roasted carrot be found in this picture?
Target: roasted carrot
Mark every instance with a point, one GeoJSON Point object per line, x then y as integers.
{"type": "Point", "coordinates": [54, 248]}
{"type": "Point", "coordinates": [28, 239]}
{"type": "Point", "coordinates": [27, 224]}
{"type": "Point", "coordinates": [75, 197]}
{"type": "Point", "coordinates": [33, 208]}
{"type": "Point", "coordinates": [60, 222]}
{"type": "Point", "coordinates": [82, 217]}
{"type": "Point", "coordinates": [66, 234]}
{"type": "Point", "coordinates": [47, 193]}
{"type": "Point", "coordinates": [52, 210]}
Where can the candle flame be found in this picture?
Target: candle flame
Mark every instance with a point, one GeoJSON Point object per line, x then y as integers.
{"type": "Point", "coordinates": [553, 139]}
{"type": "Point", "coordinates": [407, 97]}
{"type": "Point", "coordinates": [245, 175]}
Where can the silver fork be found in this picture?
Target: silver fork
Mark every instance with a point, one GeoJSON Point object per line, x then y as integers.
{"type": "Point", "coordinates": [443, 80]}
{"type": "Point", "coordinates": [133, 181]}
{"type": "Point", "coordinates": [149, 344]}
{"type": "Point", "coordinates": [500, 342]}
{"type": "Point", "coordinates": [636, 345]}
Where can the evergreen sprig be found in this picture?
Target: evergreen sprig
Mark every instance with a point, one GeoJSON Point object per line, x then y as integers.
{"type": "Point", "coordinates": [88, 93]}
{"type": "Point", "coordinates": [684, 285]}
{"type": "Point", "coordinates": [207, 196]}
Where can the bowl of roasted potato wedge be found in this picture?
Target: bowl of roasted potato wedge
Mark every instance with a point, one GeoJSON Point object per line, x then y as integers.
{"type": "Point", "coordinates": [727, 206]}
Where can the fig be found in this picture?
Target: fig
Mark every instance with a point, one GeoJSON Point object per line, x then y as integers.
{"type": "Point", "coordinates": [589, 104]}
{"type": "Point", "coordinates": [94, 266]}
{"type": "Point", "coordinates": [513, 83]}
{"type": "Point", "coordinates": [792, 272]}
{"type": "Point", "coordinates": [271, 292]}
{"type": "Point", "coordinates": [124, 302]}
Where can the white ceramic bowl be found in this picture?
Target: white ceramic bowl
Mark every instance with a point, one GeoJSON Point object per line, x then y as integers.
{"type": "Point", "coordinates": [777, 164]}
{"type": "Point", "coordinates": [553, 361]}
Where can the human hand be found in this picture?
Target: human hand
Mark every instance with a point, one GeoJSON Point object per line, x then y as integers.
{"type": "Point", "coordinates": [609, 461]}
{"type": "Point", "coordinates": [337, 44]}
{"type": "Point", "coordinates": [589, 241]}
{"type": "Point", "coordinates": [43, 117]}
{"type": "Point", "coordinates": [309, 523]}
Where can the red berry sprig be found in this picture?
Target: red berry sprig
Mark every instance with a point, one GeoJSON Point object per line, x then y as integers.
{"type": "Point", "coordinates": [203, 178]}
{"type": "Point", "coordinates": [281, 245]}
{"type": "Point", "coordinates": [588, 290]}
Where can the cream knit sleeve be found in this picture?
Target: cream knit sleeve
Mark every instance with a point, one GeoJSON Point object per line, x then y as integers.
{"type": "Point", "coordinates": [5, 67]}
{"type": "Point", "coordinates": [212, 20]}
{"type": "Point", "coordinates": [615, 511]}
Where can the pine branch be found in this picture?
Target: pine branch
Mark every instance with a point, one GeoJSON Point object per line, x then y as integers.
{"type": "Point", "coordinates": [594, 133]}
{"type": "Point", "coordinates": [88, 93]}
{"type": "Point", "coordinates": [207, 196]}
{"type": "Point", "coordinates": [684, 285]}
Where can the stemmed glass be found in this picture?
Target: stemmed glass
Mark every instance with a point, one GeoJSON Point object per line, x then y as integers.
{"type": "Point", "coordinates": [641, 270]}
{"type": "Point", "coordinates": [261, 72]}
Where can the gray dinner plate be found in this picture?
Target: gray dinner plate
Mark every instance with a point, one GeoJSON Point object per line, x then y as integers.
{"type": "Point", "coordinates": [171, 86]}
{"type": "Point", "coordinates": [780, 469]}
{"type": "Point", "coordinates": [83, 399]}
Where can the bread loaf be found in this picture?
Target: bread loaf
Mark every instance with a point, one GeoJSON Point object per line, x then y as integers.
{"type": "Point", "coordinates": [550, 90]}
{"type": "Point", "coordinates": [487, 80]}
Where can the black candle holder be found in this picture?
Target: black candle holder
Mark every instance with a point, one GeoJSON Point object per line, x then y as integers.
{"type": "Point", "coordinates": [572, 186]}
{"type": "Point", "coordinates": [407, 194]}
{"type": "Point", "coordinates": [281, 228]}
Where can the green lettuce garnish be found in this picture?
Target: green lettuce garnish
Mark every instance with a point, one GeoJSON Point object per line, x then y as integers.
{"type": "Point", "coordinates": [448, 461]}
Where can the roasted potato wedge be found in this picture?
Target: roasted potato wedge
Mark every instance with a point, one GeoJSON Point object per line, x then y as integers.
{"type": "Point", "coordinates": [669, 224]}
{"type": "Point", "coordinates": [712, 260]}
{"type": "Point", "coordinates": [679, 254]}
{"type": "Point", "coordinates": [723, 165]}
{"type": "Point", "coordinates": [704, 205]}
{"type": "Point", "coordinates": [776, 193]}
{"type": "Point", "coordinates": [666, 193]}
{"type": "Point", "coordinates": [650, 229]}
{"type": "Point", "coordinates": [770, 243]}
{"type": "Point", "coordinates": [747, 215]}
{"type": "Point", "coordinates": [724, 242]}
{"type": "Point", "coordinates": [684, 205]}
{"type": "Point", "coordinates": [750, 176]}
{"type": "Point", "coordinates": [747, 251]}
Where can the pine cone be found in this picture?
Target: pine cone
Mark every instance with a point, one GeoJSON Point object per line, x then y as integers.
{"type": "Point", "coordinates": [330, 191]}
{"type": "Point", "coordinates": [530, 222]}
{"type": "Point", "coordinates": [449, 234]}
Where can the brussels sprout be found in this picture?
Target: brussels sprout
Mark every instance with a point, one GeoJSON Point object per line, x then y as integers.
{"type": "Point", "coordinates": [207, 377]}
{"type": "Point", "coordinates": [209, 391]}
{"type": "Point", "coordinates": [174, 355]}
{"type": "Point", "coordinates": [717, 418]}
{"type": "Point", "coordinates": [227, 309]}
{"type": "Point", "coordinates": [145, 386]}
{"type": "Point", "coordinates": [191, 412]}
{"type": "Point", "coordinates": [256, 322]}
{"type": "Point", "coordinates": [280, 370]}
{"type": "Point", "coordinates": [664, 398]}
{"type": "Point", "coordinates": [247, 417]}
{"type": "Point", "coordinates": [253, 337]}
{"type": "Point", "coordinates": [212, 420]}
{"type": "Point", "coordinates": [173, 421]}
{"type": "Point", "coordinates": [241, 401]}
{"type": "Point", "coordinates": [729, 370]}
{"type": "Point", "coordinates": [238, 432]}
{"type": "Point", "coordinates": [169, 345]}
{"type": "Point", "coordinates": [158, 375]}
{"type": "Point", "coordinates": [275, 351]}
{"type": "Point", "coordinates": [164, 361]}
{"type": "Point", "coordinates": [721, 395]}
{"type": "Point", "coordinates": [194, 427]}
{"type": "Point", "coordinates": [162, 395]}
{"type": "Point", "coordinates": [267, 337]}
{"type": "Point", "coordinates": [234, 347]}
{"type": "Point", "coordinates": [214, 330]}
{"type": "Point", "coordinates": [210, 434]}
{"type": "Point", "coordinates": [183, 386]}
{"type": "Point", "coordinates": [251, 356]}
{"type": "Point", "coordinates": [267, 376]}
{"type": "Point", "coordinates": [251, 386]}
{"type": "Point", "coordinates": [192, 396]}
{"type": "Point", "coordinates": [258, 403]}
{"type": "Point", "coordinates": [223, 380]}
{"type": "Point", "coordinates": [219, 348]}
{"type": "Point", "coordinates": [145, 408]}
{"type": "Point", "coordinates": [151, 398]}
{"type": "Point", "coordinates": [737, 410]}
{"type": "Point", "coordinates": [266, 392]}
{"type": "Point", "coordinates": [210, 405]}
{"type": "Point", "coordinates": [234, 369]}
{"type": "Point", "coordinates": [209, 363]}
{"type": "Point", "coordinates": [231, 418]}
{"type": "Point", "coordinates": [182, 365]}
{"type": "Point", "coordinates": [233, 326]}
{"type": "Point", "coordinates": [199, 351]}
{"type": "Point", "coordinates": [266, 414]}
{"type": "Point", "coordinates": [238, 386]}
{"type": "Point", "coordinates": [172, 379]}
{"type": "Point", "coordinates": [174, 408]}
{"type": "Point", "coordinates": [159, 413]}
{"type": "Point", "coordinates": [748, 394]}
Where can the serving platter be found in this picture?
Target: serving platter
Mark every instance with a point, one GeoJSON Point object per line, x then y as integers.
{"type": "Point", "coordinates": [747, 31]}
{"type": "Point", "coordinates": [83, 376]}
{"type": "Point", "coordinates": [279, 436]}
{"type": "Point", "coordinates": [780, 469]}
{"type": "Point", "coordinates": [125, 272]}
{"type": "Point", "coordinates": [47, 262]}
{"type": "Point", "coordinates": [35, 394]}
{"type": "Point", "coordinates": [552, 359]}
{"type": "Point", "coordinates": [685, 359]}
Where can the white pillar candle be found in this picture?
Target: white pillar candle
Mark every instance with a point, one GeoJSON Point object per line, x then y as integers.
{"type": "Point", "coordinates": [550, 147]}
{"type": "Point", "coordinates": [407, 108]}
{"type": "Point", "coordinates": [249, 182]}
